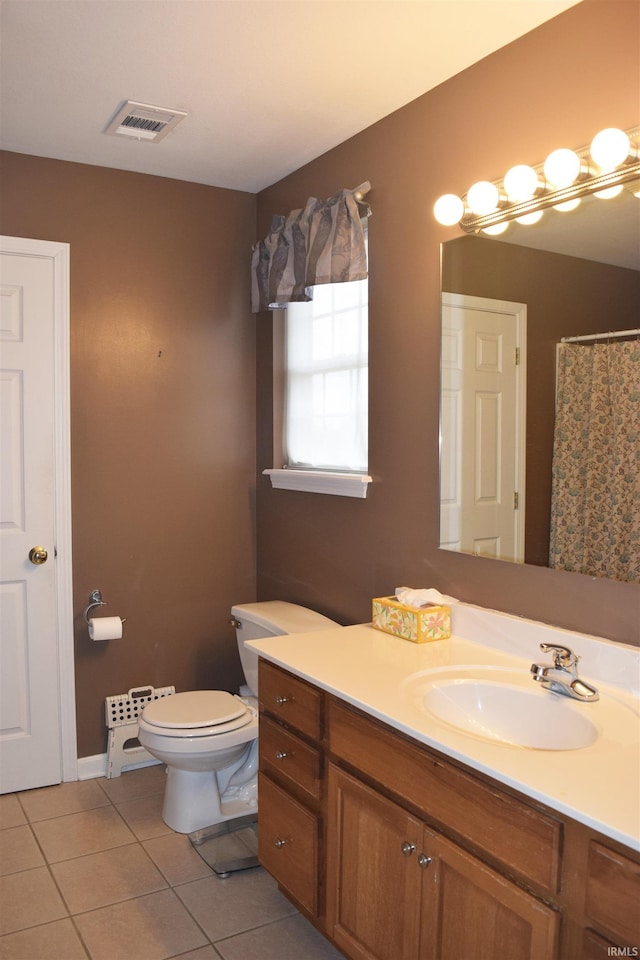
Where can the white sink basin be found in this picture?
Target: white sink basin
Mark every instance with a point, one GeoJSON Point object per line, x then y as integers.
{"type": "Point", "coordinates": [509, 713]}
{"type": "Point", "coordinates": [504, 705]}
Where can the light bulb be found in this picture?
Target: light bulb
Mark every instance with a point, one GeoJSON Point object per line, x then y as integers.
{"type": "Point", "coordinates": [610, 148]}
{"type": "Point", "coordinates": [567, 205]}
{"type": "Point", "coordinates": [608, 192]}
{"type": "Point", "coordinates": [562, 167]}
{"type": "Point", "coordinates": [520, 183]}
{"type": "Point", "coordinates": [483, 197]}
{"type": "Point", "coordinates": [448, 209]}
{"type": "Point", "coordinates": [530, 218]}
{"type": "Point", "coordinates": [496, 229]}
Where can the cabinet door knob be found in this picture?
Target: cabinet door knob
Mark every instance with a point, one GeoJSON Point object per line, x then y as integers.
{"type": "Point", "coordinates": [280, 700]}
{"type": "Point", "coordinates": [279, 843]}
{"type": "Point", "coordinates": [408, 848]}
{"type": "Point", "coordinates": [281, 755]}
{"type": "Point", "coordinates": [424, 861]}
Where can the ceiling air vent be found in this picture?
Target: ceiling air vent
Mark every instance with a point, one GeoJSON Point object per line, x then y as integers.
{"type": "Point", "coordinates": [142, 121]}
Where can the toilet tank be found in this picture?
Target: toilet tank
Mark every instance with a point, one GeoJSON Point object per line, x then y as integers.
{"type": "Point", "coordinates": [271, 618]}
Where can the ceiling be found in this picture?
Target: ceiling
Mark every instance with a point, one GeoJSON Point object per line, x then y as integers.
{"type": "Point", "coordinates": [268, 85]}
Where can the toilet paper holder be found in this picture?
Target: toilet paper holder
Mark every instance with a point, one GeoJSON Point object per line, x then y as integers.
{"type": "Point", "coordinates": [95, 600]}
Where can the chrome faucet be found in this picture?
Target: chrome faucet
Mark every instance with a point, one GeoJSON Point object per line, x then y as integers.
{"type": "Point", "coordinates": [562, 676]}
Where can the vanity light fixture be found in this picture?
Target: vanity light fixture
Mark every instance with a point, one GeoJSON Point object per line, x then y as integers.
{"type": "Point", "coordinates": [610, 163]}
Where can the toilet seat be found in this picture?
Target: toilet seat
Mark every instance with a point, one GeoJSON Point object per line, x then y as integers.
{"type": "Point", "coordinates": [197, 713]}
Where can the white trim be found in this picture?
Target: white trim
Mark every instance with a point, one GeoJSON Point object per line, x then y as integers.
{"type": "Point", "coordinates": [59, 254]}
{"type": "Point", "coordinates": [64, 559]}
{"type": "Point", "coordinates": [316, 481]}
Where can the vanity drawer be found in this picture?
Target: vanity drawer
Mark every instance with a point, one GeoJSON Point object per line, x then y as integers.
{"type": "Point", "coordinates": [523, 839]}
{"type": "Point", "coordinates": [613, 893]}
{"type": "Point", "coordinates": [290, 699]}
{"type": "Point", "coordinates": [286, 757]}
{"type": "Point", "coordinates": [288, 843]}
{"type": "Point", "coordinates": [595, 947]}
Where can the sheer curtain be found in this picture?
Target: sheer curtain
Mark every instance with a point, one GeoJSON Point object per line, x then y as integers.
{"type": "Point", "coordinates": [595, 507]}
{"type": "Point", "coordinates": [326, 407]}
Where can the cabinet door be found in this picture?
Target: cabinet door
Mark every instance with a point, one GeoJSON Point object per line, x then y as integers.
{"type": "Point", "coordinates": [373, 881]}
{"type": "Point", "coordinates": [473, 912]}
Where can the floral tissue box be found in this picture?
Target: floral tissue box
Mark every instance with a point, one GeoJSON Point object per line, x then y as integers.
{"type": "Point", "coordinates": [419, 624]}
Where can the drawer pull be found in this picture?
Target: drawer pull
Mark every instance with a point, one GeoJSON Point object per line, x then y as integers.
{"type": "Point", "coordinates": [281, 755]}
{"type": "Point", "coordinates": [281, 700]}
{"type": "Point", "coordinates": [408, 848]}
{"type": "Point", "coordinates": [280, 843]}
{"type": "Point", "coordinates": [424, 861]}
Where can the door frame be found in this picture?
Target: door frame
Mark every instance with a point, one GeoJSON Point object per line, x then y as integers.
{"type": "Point", "coordinates": [59, 255]}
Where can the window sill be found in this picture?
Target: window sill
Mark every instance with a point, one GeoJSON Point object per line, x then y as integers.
{"type": "Point", "coordinates": [315, 481]}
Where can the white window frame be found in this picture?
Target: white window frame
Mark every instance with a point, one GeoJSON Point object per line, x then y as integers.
{"type": "Point", "coordinates": [310, 479]}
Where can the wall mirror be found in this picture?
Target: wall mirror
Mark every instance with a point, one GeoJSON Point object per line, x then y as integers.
{"type": "Point", "coordinates": [506, 304]}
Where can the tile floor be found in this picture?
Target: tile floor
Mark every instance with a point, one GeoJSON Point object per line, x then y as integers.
{"type": "Point", "coordinates": [89, 871]}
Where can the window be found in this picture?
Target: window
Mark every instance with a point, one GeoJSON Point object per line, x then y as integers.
{"type": "Point", "coordinates": [326, 379]}
{"type": "Point", "coordinates": [326, 392]}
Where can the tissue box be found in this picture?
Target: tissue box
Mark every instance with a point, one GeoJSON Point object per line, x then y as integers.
{"type": "Point", "coordinates": [419, 624]}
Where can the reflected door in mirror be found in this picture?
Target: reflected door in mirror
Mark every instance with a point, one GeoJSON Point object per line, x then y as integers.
{"type": "Point", "coordinates": [482, 495]}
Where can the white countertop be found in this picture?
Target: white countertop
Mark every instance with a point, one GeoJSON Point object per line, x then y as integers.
{"type": "Point", "coordinates": [598, 785]}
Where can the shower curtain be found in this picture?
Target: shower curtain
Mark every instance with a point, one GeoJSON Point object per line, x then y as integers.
{"type": "Point", "coordinates": [595, 505]}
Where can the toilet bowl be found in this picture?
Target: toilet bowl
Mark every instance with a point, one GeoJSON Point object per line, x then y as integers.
{"type": "Point", "coordinates": [208, 739]}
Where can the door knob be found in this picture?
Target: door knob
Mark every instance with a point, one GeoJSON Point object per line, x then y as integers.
{"type": "Point", "coordinates": [38, 555]}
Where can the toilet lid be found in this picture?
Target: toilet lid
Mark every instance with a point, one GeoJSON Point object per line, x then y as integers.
{"type": "Point", "coordinates": [197, 708]}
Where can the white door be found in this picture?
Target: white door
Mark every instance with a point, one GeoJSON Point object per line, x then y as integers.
{"type": "Point", "coordinates": [483, 426]}
{"type": "Point", "coordinates": [37, 704]}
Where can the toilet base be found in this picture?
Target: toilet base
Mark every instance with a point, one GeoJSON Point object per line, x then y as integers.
{"type": "Point", "coordinates": [192, 800]}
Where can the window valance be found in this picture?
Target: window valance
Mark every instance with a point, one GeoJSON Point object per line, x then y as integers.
{"type": "Point", "coordinates": [322, 243]}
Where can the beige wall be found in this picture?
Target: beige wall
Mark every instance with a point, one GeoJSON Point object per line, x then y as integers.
{"type": "Point", "coordinates": [555, 87]}
{"type": "Point", "coordinates": [163, 417]}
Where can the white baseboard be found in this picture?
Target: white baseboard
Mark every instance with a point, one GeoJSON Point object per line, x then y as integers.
{"type": "Point", "coordinates": [96, 766]}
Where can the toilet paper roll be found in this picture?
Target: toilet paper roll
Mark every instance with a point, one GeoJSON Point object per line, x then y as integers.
{"type": "Point", "coordinates": [105, 628]}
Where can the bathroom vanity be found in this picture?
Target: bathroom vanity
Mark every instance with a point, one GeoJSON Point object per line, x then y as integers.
{"type": "Point", "coordinates": [402, 834]}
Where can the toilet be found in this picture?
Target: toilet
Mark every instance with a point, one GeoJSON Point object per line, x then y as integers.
{"type": "Point", "coordinates": [208, 739]}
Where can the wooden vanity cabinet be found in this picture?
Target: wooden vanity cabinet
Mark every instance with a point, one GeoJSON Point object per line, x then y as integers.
{"type": "Point", "coordinates": [397, 853]}
{"type": "Point", "coordinates": [612, 896]}
{"type": "Point", "coordinates": [399, 891]}
{"type": "Point", "coordinates": [288, 842]}
{"type": "Point", "coordinates": [513, 835]}
{"type": "Point", "coordinates": [600, 896]}
{"type": "Point", "coordinates": [290, 784]}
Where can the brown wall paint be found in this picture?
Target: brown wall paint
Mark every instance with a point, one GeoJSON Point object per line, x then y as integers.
{"type": "Point", "coordinates": [163, 460]}
{"type": "Point", "coordinates": [163, 418]}
{"type": "Point", "coordinates": [556, 86]}
{"type": "Point", "coordinates": [565, 297]}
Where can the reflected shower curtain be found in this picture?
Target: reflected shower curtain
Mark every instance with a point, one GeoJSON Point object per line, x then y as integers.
{"type": "Point", "coordinates": [595, 505]}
